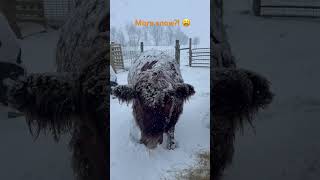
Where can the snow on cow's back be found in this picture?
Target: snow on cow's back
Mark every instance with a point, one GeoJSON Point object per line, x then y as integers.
{"type": "Point", "coordinates": [154, 61]}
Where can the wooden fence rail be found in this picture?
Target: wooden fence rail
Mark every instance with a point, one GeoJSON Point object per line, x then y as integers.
{"type": "Point", "coordinates": [199, 57]}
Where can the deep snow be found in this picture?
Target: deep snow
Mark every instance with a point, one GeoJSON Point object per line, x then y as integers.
{"type": "Point", "coordinates": [130, 160]}
{"type": "Point", "coordinates": [286, 144]}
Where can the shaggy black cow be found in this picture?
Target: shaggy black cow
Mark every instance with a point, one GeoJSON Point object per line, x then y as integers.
{"type": "Point", "coordinates": [237, 95]}
{"type": "Point", "coordinates": [156, 88]}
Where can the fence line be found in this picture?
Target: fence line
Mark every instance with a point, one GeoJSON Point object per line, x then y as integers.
{"type": "Point", "coordinates": [196, 56]}
{"type": "Point", "coordinates": [193, 53]}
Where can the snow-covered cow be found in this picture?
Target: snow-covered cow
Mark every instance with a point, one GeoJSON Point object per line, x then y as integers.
{"type": "Point", "coordinates": [157, 91]}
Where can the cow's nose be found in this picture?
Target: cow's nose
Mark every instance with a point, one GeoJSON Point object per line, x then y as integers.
{"type": "Point", "coordinates": [151, 145]}
{"type": "Point", "coordinates": [161, 140]}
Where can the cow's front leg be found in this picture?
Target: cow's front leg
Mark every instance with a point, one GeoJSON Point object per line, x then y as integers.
{"type": "Point", "coordinates": [171, 143]}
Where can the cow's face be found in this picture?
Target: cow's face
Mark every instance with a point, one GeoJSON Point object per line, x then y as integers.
{"type": "Point", "coordinates": [154, 108]}
{"type": "Point", "coordinates": [153, 119]}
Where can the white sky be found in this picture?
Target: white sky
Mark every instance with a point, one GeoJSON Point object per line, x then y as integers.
{"type": "Point", "coordinates": [127, 11]}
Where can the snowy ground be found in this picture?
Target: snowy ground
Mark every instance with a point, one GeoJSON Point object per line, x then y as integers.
{"type": "Point", "coordinates": [22, 157]}
{"type": "Point", "coordinates": [130, 160]}
{"type": "Point", "coordinates": [286, 144]}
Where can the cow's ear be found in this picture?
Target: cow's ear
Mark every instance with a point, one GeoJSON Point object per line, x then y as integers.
{"type": "Point", "coordinates": [262, 95]}
{"type": "Point", "coordinates": [183, 90]}
{"type": "Point", "coordinates": [124, 92]}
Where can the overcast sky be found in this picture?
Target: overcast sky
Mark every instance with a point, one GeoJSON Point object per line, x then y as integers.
{"type": "Point", "coordinates": [127, 11]}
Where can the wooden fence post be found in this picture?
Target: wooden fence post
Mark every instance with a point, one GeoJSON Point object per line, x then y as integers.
{"type": "Point", "coordinates": [177, 52]}
{"type": "Point", "coordinates": [141, 47]}
{"type": "Point", "coordinates": [190, 52]}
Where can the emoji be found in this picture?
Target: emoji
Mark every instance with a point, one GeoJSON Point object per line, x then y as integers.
{"type": "Point", "coordinates": [186, 22]}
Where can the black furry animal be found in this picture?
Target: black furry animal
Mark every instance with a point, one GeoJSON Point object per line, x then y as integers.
{"type": "Point", "coordinates": [237, 94]}
{"type": "Point", "coordinates": [156, 88]}
{"type": "Point", "coordinates": [75, 99]}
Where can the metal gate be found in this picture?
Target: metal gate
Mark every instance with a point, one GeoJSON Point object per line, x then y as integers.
{"type": "Point", "coordinates": [116, 57]}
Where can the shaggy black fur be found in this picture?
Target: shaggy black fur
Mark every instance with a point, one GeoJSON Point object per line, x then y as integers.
{"type": "Point", "coordinates": [70, 103]}
{"type": "Point", "coordinates": [124, 93]}
{"type": "Point", "coordinates": [239, 93]}
{"type": "Point", "coordinates": [183, 91]}
{"type": "Point", "coordinates": [237, 96]}
{"type": "Point", "coordinates": [31, 96]}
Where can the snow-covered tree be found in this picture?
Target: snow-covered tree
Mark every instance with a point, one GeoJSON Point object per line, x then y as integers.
{"type": "Point", "coordinates": [156, 32]}
{"type": "Point", "coordinates": [134, 34]}
{"type": "Point", "coordinates": [146, 35]}
{"type": "Point", "coordinates": [120, 37]}
{"type": "Point", "coordinates": [113, 34]}
{"type": "Point", "coordinates": [196, 41]}
{"type": "Point", "coordinates": [117, 35]}
{"type": "Point", "coordinates": [170, 34]}
{"type": "Point", "coordinates": [181, 36]}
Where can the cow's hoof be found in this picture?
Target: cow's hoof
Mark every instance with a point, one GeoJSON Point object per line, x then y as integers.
{"type": "Point", "coordinates": [172, 145]}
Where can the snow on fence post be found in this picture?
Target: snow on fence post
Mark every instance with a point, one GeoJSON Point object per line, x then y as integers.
{"type": "Point", "coordinates": [190, 52]}
{"type": "Point", "coordinates": [256, 6]}
{"type": "Point", "coordinates": [141, 47]}
{"type": "Point", "coordinates": [177, 52]}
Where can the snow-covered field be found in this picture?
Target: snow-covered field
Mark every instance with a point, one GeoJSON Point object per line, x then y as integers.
{"type": "Point", "coordinates": [21, 156]}
{"type": "Point", "coordinates": [130, 160]}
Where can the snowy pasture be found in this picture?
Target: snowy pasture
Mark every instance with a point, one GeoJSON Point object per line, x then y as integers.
{"type": "Point", "coordinates": [131, 160]}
